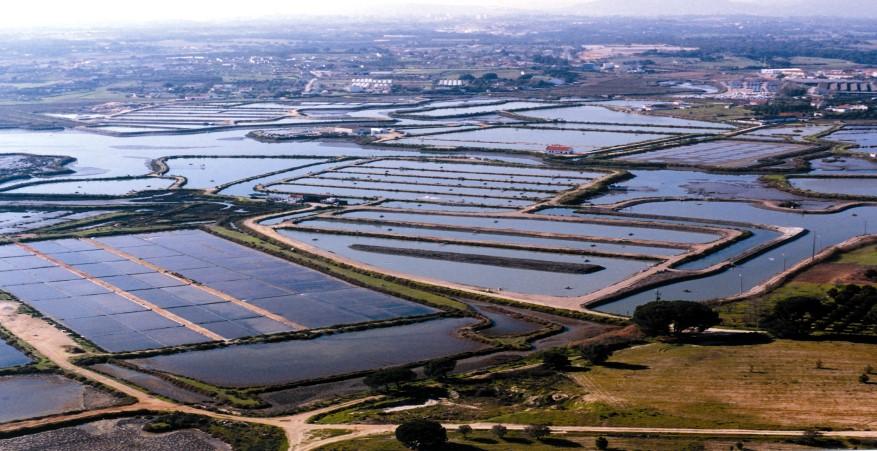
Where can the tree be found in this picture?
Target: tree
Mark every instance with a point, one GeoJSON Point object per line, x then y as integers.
{"type": "Point", "coordinates": [864, 378]}
{"type": "Point", "coordinates": [660, 318]}
{"type": "Point", "coordinates": [601, 443]}
{"type": "Point", "coordinates": [381, 379]}
{"type": "Point", "coordinates": [489, 76]}
{"type": "Point", "coordinates": [793, 317]}
{"type": "Point", "coordinates": [694, 315]}
{"type": "Point", "coordinates": [440, 368]}
{"type": "Point", "coordinates": [555, 359]}
{"type": "Point", "coordinates": [464, 430]}
{"type": "Point", "coordinates": [499, 431]}
{"type": "Point", "coordinates": [596, 353]}
{"type": "Point", "coordinates": [422, 435]}
{"type": "Point", "coordinates": [537, 431]}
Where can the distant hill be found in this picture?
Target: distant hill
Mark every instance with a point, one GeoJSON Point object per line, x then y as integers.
{"type": "Point", "coordinates": [781, 8]}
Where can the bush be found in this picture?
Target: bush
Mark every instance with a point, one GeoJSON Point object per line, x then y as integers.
{"type": "Point", "coordinates": [537, 431]}
{"type": "Point", "coordinates": [555, 359]}
{"type": "Point", "coordinates": [382, 379]}
{"type": "Point", "coordinates": [601, 443]}
{"type": "Point", "coordinates": [499, 431]}
{"type": "Point", "coordinates": [660, 318]}
{"type": "Point", "coordinates": [440, 368]}
{"type": "Point", "coordinates": [864, 378]}
{"type": "Point", "coordinates": [596, 353]}
{"type": "Point", "coordinates": [422, 435]}
{"type": "Point", "coordinates": [464, 430]}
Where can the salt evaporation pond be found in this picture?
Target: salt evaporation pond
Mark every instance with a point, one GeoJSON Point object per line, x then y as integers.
{"type": "Point", "coordinates": [96, 187]}
{"type": "Point", "coordinates": [203, 173]}
{"type": "Point", "coordinates": [589, 113]}
{"type": "Point", "coordinates": [38, 395]}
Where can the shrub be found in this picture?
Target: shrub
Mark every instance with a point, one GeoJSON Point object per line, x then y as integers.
{"type": "Point", "coordinates": [422, 435]}
{"type": "Point", "coordinates": [464, 430]}
{"type": "Point", "coordinates": [499, 431]}
{"type": "Point", "coordinates": [440, 368]}
{"type": "Point", "coordinates": [555, 359]}
{"type": "Point", "coordinates": [537, 431]}
{"type": "Point", "coordinates": [601, 443]}
{"type": "Point", "coordinates": [382, 379]}
{"type": "Point", "coordinates": [864, 378]}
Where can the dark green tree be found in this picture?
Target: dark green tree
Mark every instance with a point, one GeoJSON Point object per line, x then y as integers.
{"type": "Point", "coordinates": [601, 443]}
{"type": "Point", "coordinates": [422, 435]}
{"type": "Point", "coordinates": [661, 318]}
{"type": "Point", "coordinates": [793, 317]}
{"type": "Point", "coordinates": [596, 353]}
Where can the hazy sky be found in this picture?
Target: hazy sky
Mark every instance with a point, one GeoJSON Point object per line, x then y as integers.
{"type": "Point", "coordinates": [51, 13]}
{"type": "Point", "coordinates": [30, 13]}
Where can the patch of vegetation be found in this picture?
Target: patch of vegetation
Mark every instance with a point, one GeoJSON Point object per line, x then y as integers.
{"type": "Point", "coordinates": [241, 436]}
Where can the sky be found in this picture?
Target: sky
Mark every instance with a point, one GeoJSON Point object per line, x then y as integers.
{"type": "Point", "coordinates": [34, 14]}
{"type": "Point", "coordinates": [37, 13]}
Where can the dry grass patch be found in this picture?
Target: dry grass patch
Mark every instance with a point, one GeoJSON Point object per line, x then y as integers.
{"type": "Point", "coordinates": [770, 385]}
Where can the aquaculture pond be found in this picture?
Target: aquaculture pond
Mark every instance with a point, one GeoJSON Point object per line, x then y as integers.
{"type": "Point", "coordinates": [420, 194]}
{"type": "Point", "coordinates": [248, 188]}
{"type": "Point", "coordinates": [825, 230]}
{"type": "Point", "coordinates": [493, 277]}
{"type": "Point", "coordinates": [423, 206]}
{"type": "Point", "coordinates": [203, 173]}
{"type": "Point", "coordinates": [478, 109]}
{"type": "Point", "coordinates": [37, 395]}
{"type": "Point", "coordinates": [10, 356]}
{"type": "Point", "coordinates": [322, 357]}
{"type": "Point", "coordinates": [441, 182]}
{"type": "Point", "coordinates": [530, 140]}
{"type": "Point", "coordinates": [666, 183]}
{"type": "Point", "coordinates": [625, 128]}
{"type": "Point", "coordinates": [448, 167]}
{"type": "Point", "coordinates": [590, 113]}
{"type": "Point", "coordinates": [850, 186]}
{"type": "Point", "coordinates": [516, 239]}
{"type": "Point", "coordinates": [96, 187]}
{"type": "Point", "coordinates": [724, 153]}
{"type": "Point", "coordinates": [424, 186]}
{"type": "Point", "coordinates": [547, 225]}
{"type": "Point", "coordinates": [863, 136]}
{"type": "Point", "coordinates": [22, 221]}
{"type": "Point", "coordinates": [449, 173]}
{"type": "Point", "coordinates": [841, 165]}
{"type": "Point", "coordinates": [108, 156]}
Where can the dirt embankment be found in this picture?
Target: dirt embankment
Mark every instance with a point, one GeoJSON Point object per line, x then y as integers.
{"type": "Point", "coordinates": [519, 263]}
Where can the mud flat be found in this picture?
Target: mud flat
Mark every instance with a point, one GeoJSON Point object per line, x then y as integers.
{"type": "Point", "coordinates": [114, 435]}
{"type": "Point", "coordinates": [37, 395]}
